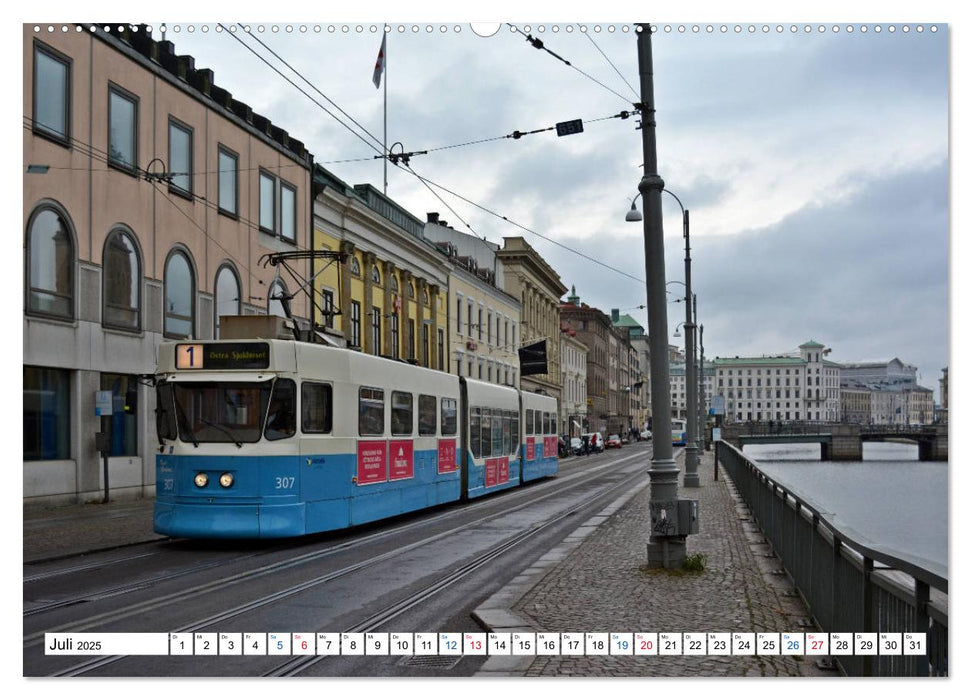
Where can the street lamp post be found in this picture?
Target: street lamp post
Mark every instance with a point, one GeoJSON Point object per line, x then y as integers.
{"type": "Point", "coordinates": [664, 548]}
{"type": "Point", "coordinates": [702, 413]}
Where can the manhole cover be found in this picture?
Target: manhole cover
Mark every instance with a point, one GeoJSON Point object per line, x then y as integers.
{"type": "Point", "coordinates": [439, 662]}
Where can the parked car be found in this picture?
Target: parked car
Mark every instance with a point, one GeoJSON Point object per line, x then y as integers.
{"type": "Point", "coordinates": [613, 441]}
{"type": "Point", "coordinates": [645, 435]}
{"type": "Point", "coordinates": [576, 446]}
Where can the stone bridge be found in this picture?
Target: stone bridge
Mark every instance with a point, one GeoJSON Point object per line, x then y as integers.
{"type": "Point", "coordinates": [840, 441]}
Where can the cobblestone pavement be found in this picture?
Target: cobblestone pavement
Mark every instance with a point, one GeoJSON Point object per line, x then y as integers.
{"type": "Point", "coordinates": [600, 583]}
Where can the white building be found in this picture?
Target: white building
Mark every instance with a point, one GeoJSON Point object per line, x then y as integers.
{"type": "Point", "coordinates": [803, 387]}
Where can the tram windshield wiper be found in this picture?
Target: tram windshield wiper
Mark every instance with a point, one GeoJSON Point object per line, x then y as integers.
{"type": "Point", "coordinates": [223, 429]}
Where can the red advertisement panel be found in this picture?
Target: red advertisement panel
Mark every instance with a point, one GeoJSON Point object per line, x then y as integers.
{"type": "Point", "coordinates": [402, 456]}
{"type": "Point", "coordinates": [503, 470]}
{"type": "Point", "coordinates": [447, 456]}
{"type": "Point", "coordinates": [491, 472]}
{"type": "Point", "coordinates": [530, 449]}
{"type": "Point", "coordinates": [549, 446]}
{"type": "Point", "coordinates": [372, 461]}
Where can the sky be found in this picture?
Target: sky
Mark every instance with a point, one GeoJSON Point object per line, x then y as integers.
{"type": "Point", "coordinates": [814, 165]}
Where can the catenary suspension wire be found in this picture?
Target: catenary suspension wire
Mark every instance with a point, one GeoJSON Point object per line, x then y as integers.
{"type": "Point", "coordinates": [633, 91]}
{"type": "Point", "coordinates": [539, 45]}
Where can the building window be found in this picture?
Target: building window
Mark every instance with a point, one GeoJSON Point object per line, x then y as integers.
{"type": "Point", "coordinates": [123, 421]}
{"type": "Point", "coordinates": [424, 345]}
{"type": "Point", "coordinates": [288, 212]}
{"type": "Point", "coordinates": [267, 203]}
{"type": "Point", "coordinates": [394, 336]}
{"type": "Point", "coordinates": [376, 330]}
{"type": "Point", "coordinates": [122, 129]}
{"type": "Point", "coordinates": [375, 275]}
{"type": "Point", "coordinates": [327, 305]}
{"type": "Point", "coordinates": [469, 319]}
{"type": "Point", "coordinates": [180, 158]}
{"type": "Point", "coordinates": [355, 267]}
{"type": "Point", "coordinates": [50, 265]}
{"type": "Point", "coordinates": [180, 293]}
{"type": "Point", "coordinates": [122, 282]}
{"type": "Point", "coordinates": [411, 339]}
{"type": "Point", "coordinates": [47, 414]}
{"type": "Point", "coordinates": [227, 295]}
{"type": "Point", "coordinates": [441, 349]}
{"type": "Point", "coordinates": [275, 299]}
{"type": "Point", "coordinates": [52, 94]}
{"type": "Point", "coordinates": [356, 324]}
{"type": "Point", "coordinates": [480, 323]}
{"type": "Point", "coordinates": [228, 182]}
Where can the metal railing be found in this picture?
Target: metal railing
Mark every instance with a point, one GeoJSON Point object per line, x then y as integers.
{"type": "Point", "coordinates": [847, 584]}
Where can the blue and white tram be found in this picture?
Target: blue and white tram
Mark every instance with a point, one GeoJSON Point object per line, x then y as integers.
{"type": "Point", "coordinates": [278, 438]}
{"type": "Point", "coordinates": [540, 443]}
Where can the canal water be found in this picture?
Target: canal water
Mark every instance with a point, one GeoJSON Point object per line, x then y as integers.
{"type": "Point", "coordinates": [892, 499]}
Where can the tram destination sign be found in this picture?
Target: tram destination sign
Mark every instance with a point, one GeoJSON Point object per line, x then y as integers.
{"type": "Point", "coordinates": [222, 356]}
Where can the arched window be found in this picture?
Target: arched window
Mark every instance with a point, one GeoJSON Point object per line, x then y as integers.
{"type": "Point", "coordinates": [50, 264]}
{"type": "Point", "coordinates": [375, 274]}
{"type": "Point", "coordinates": [121, 273]}
{"type": "Point", "coordinates": [227, 294]}
{"type": "Point", "coordinates": [180, 294]}
{"type": "Point", "coordinates": [394, 284]}
{"type": "Point", "coordinates": [355, 267]}
{"type": "Point", "coordinates": [275, 297]}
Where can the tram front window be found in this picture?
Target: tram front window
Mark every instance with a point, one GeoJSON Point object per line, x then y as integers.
{"type": "Point", "coordinates": [221, 411]}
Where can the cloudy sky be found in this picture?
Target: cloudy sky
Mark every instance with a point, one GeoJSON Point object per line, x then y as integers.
{"type": "Point", "coordinates": [814, 164]}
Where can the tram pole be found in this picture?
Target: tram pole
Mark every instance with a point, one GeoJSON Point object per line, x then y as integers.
{"type": "Point", "coordinates": [665, 548]}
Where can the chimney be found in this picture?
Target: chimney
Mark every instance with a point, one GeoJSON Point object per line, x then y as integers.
{"type": "Point", "coordinates": [614, 315]}
{"type": "Point", "coordinates": [433, 217]}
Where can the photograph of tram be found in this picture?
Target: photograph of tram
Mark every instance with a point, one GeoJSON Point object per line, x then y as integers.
{"type": "Point", "coordinates": [280, 438]}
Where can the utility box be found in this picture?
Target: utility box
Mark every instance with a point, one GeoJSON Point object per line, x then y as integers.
{"type": "Point", "coordinates": [674, 518]}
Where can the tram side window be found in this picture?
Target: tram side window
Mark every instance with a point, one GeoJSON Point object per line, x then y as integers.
{"type": "Point", "coordinates": [402, 413]}
{"type": "Point", "coordinates": [475, 427]}
{"type": "Point", "coordinates": [497, 433]}
{"type": "Point", "coordinates": [529, 421]}
{"type": "Point", "coordinates": [515, 431]}
{"type": "Point", "coordinates": [506, 432]}
{"type": "Point", "coordinates": [371, 412]}
{"type": "Point", "coordinates": [316, 407]}
{"type": "Point", "coordinates": [449, 416]}
{"type": "Point", "coordinates": [281, 419]}
{"type": "Point", "coordinates": [427, 423]}
{"type": "Point", "coordinates": [485, 437]}
{"type": "Point", "coordinates": [546, 423]}
{"type": "Point", "coordinates": [553, 424]}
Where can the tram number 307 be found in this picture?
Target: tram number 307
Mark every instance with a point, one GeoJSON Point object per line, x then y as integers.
{"type": "Point", "coordinates": [285, 482]}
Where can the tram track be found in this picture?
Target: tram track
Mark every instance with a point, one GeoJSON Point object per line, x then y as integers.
{"type": "Point", "coordinates": [556, 488]}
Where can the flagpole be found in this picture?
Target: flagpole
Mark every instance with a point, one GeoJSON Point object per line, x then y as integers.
{"type": "Point", "coordinates": [385, 144]}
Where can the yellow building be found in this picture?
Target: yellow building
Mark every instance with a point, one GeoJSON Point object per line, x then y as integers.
{"type": "Point", "coordinates": [483, 320]}
{"type": "Point", "coordinates": [384, 288]}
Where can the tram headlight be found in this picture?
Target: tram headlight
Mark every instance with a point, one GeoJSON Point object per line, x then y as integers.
{"type": "Point", "coordinates": [200, 480]}
{"type": "Point", "coordinates": [226, 480]}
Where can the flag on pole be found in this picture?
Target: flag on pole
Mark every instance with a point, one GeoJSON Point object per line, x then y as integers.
{"type": "Point", "coordinates": [379, 64]}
